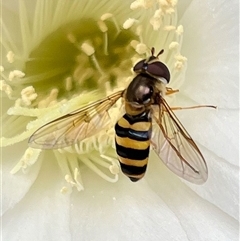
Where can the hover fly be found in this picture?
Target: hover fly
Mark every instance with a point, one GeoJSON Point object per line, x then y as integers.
{"type": "Point", "coordinates": [144, 106]}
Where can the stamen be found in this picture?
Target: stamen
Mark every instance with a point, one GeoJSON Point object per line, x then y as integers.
{"type": "Point", "coordinates": [2, 73]}
{"type": "Point", "coordinates": [103, 27]}
{"type": "Point", "coordinates": [173, 45]}
{"type": "Point", "coordinates": [15, 74]}
{"type": "Point", "coordinates": [181, 60]}
{"type": "Point", "coordinates": [129, 23]}
{"type": "Point", "coordinates": [168, 5]}
{"type": "Point", "coordinates": [139, 33]}
{"type": "Point", "coordinates": [89, 51]}
{"type": "Point", "coordinates": [6, 88]}
{"type": "Point", "coordinates": [28, 94]}
{"type": "Point", "coordinates": [134, 5]}
{"type": "Point", "coordinates": [104, 161]}
{"type": "Point", "coordinates": [69, 165]}
{"type": "Point", "coordinates": [179, 30]}
{"type": "Point", "coordinates": [156, 20]}
{"type": "Point", "coordinates": [143, 4]}
{"type": "Point", "coordinates": [28, 159]}
{"type": "Point", "coordinates": [80, 77]}
{"type": "Point", "coordinates": [64, 190]}
{"type": "Point", "coordinates": [139, 30]}
{"type": "Point", "coordinates": [141, 48]}
{"type": "Point", "coordinates": [10, 57]}
{"type": "Point", "coordinates": [93, 167]}
{"type": "Point", "coordinates": [74, 181]}
{"type": "Point", "coordinates": [114, 168]}
{"type": "Point", "coordinates": [18, 103]}
{"type": "Point", "coordinates": [134, 43]}
{"type": "Point", "coordinates": [109, 15]}
{"type": "Point", "coordinates": [50, 100]}
{"type": "Point", "coordinates": [72, 39]}
{"type": "Point", "coordinates": [68, 83]}
{"type": "Point", "coordinates": [106, 16]}
{"type": "Point", "coordinates": [169, 28]}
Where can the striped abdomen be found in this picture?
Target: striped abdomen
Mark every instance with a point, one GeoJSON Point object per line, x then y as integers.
{"type": "Point", "coordinates": [133, 136]}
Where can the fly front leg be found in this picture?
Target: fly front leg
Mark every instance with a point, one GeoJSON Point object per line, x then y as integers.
{"type": "Point", "coordinates": [170, 91]}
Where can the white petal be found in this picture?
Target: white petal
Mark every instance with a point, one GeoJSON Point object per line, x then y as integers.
{"type": "Point", "coordinates": [198, 217]}
{"type": "Point", "coordinates": [123, 211]}
{"type": "Point", "coordinates": [15, 186]}
{"type": "Point", "coordinates": [211, 46]}
{"type": "Point", "coordinates": [43, 213]}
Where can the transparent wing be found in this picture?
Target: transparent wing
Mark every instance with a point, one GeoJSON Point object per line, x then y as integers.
{"type": "Point", "coordinates": [75, 126]}
{"type": "Point", "coordinates": [176, 148]}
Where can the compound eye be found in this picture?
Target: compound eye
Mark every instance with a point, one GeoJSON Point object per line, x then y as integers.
{"type": "Point", "coordinates": [138, 67]}
{"type": "Point", "coordinates": [159, 70]}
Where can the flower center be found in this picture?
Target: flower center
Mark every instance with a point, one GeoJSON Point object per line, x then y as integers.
{"type": "Point", "coordinates": [80, 55]}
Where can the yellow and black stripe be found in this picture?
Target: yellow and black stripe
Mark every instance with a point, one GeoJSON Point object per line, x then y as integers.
{"type": "Point", "coordinates": [133, 134]}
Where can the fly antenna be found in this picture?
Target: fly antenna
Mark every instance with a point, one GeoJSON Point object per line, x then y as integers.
{"type": "Point", "coordinates": [161, 52]}
{"type": "Point", "coordinates": [152, 51]}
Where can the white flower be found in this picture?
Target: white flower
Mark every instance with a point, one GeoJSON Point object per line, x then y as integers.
{"type": "Point", "coordinates": [161, 206]}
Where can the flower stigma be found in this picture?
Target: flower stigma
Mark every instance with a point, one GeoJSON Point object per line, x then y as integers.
{"type": "Point", "coordinates": [64, 63]}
